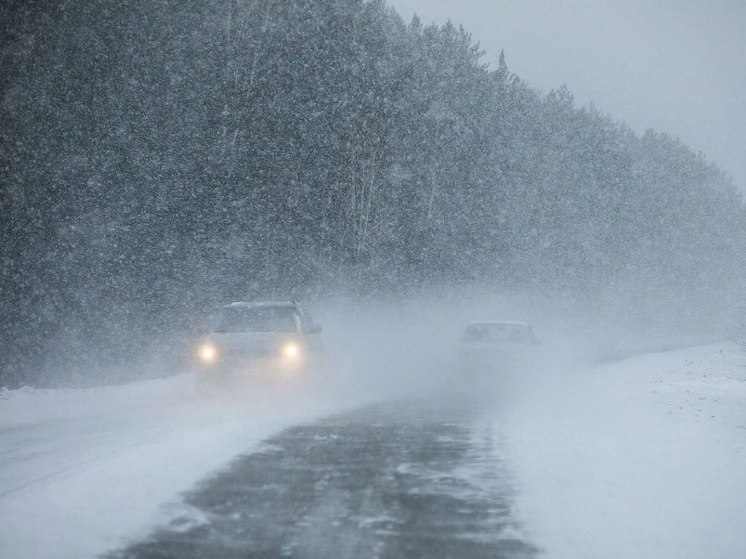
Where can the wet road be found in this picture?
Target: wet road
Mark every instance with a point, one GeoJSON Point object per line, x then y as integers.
{"type": "Point", "coordinates": [408, 480]}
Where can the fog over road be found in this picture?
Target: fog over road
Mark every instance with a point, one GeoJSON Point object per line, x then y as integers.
{"type": "Point", "coordinates": [407, 479]}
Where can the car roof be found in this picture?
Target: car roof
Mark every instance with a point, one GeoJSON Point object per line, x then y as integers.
{"type": "Point", "coordinates": [259, 304]}
{"type": "Point", "coordinates": [499, 323]}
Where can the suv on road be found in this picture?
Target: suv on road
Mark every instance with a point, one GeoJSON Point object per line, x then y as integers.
{"type": "Point", "coordinates": [268, 340]}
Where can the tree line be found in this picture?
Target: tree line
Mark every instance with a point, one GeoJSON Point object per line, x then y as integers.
{"type": "Point", "coordinates": [161, 158]}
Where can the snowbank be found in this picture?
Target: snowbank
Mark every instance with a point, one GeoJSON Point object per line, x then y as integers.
{"type": "Point", "coordinates": [84, 470]}
{"type": "Point", "coordinates": [643, 458]}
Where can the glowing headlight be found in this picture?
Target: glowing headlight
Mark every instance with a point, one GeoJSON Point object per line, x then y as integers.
{"type": "Point", "coordinates": [291, 350]}
{"type": "Point", "coordinates": [207, 352]}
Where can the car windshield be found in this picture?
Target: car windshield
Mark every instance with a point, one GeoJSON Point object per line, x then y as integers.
{"type": "Point", "coordinates": [256, 319]}
{"type": "Point", "coordinates": [496, 333]}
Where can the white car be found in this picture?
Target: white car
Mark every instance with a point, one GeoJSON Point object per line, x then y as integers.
{"type": "Point", "coordinates": [259, 341]}
{"type": "Point", "coordinates": [496, 346]}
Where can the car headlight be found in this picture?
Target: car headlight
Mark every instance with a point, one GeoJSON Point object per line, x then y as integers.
{"type": "Point", "coordinates": [291, 351]}
{"type": "Point", "coordinates": [207, 352]}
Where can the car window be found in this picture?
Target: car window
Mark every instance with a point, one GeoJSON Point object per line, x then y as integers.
{"type": "Point", "coordinates": [257, 319]}
{"type": "Point", "coordinates": [475, 333]}
{"type": "Point", "coordinates": [508, 333]}
{"type": "Point", "coordinates": [496, 333]}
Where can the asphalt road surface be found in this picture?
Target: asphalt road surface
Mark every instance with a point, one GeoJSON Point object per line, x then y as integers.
{"type": "Point", "coordinates": [410, 480]}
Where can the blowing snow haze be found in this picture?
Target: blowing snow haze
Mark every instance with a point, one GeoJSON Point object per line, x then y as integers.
{"type": "Point", "coordinates": [160, 159]}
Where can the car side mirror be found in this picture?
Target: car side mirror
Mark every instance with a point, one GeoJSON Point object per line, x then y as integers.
{"type": "Point", "coordinates": [314, 329]}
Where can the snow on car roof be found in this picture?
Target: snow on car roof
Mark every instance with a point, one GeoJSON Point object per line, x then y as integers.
{"type": "Point", "coordinates": [499, 323]}
{"type": "Point", "coordinates": [253, 304]}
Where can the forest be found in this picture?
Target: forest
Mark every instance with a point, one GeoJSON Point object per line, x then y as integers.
{"type": "Point", "coordinates": [161, 158]}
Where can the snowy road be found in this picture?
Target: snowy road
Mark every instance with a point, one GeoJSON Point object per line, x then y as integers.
{"type": "Point", "coordinates": [395, 480]}
{"type": "Point", "coordinates": [644, 458]}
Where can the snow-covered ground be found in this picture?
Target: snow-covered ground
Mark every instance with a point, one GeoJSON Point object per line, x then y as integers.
{"type": "Point", "coordinates": [83, 471]}
{"type": "Point", "coordinates": [643, 458]}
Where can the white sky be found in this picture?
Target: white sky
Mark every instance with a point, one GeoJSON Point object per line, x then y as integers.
{"type": "Point", "coordinates": [673, 65]}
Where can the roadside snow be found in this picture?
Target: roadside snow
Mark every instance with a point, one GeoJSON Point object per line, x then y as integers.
{"type": "Point", "coordinates": [82, 471]}
{"type": "Point", "coordinates": [643, 458]}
